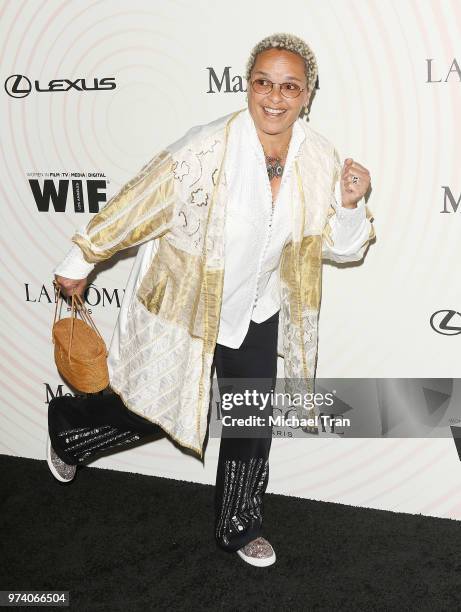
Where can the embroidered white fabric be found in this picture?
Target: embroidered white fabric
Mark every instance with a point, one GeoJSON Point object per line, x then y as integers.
{"type": "Point", "coordinates": [257, 295]}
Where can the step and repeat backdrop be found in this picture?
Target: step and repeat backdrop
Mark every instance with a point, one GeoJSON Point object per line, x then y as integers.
{"type": "Point", "coordinates": [93, 89]}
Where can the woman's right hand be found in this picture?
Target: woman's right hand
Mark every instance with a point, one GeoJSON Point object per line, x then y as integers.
{"type": "Point", "coordinates": [70, 286]}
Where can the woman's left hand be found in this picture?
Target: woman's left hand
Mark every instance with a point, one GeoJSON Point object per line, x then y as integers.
{"type": "Point", "coordinates": [352, 192]}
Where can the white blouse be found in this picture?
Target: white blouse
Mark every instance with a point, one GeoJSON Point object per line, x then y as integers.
{"type": "Point", "coordinates": [253, 248]}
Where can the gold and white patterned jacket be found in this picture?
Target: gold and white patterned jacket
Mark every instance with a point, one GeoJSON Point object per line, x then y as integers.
{"type": "Point", "coordinates": [161, 354]}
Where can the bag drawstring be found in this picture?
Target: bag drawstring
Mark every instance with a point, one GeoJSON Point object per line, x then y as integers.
{"type": "Point", "coordinates": [77, 306]}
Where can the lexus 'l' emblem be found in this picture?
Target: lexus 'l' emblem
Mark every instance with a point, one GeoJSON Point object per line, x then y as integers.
{"type": "Point", "coordinates": [18, 86]}
{"type": "Point", "coordinates": [446, 322]}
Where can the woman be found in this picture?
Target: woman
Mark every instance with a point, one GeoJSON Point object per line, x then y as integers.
{"type": "Point", "coordinates": [233, 220]}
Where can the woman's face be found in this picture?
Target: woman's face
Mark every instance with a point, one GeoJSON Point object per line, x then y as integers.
{"type": "Point", "coordinates": [278, 66]}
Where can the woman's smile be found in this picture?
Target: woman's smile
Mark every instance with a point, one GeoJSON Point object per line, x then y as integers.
{"type": "Point", "coordinates": [273, 112]}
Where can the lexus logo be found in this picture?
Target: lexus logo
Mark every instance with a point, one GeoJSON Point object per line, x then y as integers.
{"type": "Point", "coordinates": [19, 86]}
{"type": "Point", "coordinates": [446, 322]}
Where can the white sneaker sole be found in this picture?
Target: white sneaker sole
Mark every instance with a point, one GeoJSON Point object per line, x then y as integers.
{"type": "Point", "coordinates": [264, 562]}
{"type": "Point", "coordinates": [50, 463]}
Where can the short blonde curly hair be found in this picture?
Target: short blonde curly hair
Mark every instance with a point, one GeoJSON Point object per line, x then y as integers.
{"type": "Point", "coordinates": [289, 42]}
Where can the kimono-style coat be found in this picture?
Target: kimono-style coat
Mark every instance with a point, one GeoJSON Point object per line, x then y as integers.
{"type": "Point", "coordinates": [161, 353]}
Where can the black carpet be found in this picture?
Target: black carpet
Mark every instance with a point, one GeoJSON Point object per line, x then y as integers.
{"type": "Point", "coordinates": [129, 542]}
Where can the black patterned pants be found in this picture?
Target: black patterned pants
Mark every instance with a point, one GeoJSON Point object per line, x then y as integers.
{"type": "Point", "coordinates": [81, 429]}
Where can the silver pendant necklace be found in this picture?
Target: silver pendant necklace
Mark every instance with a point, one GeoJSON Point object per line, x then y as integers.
{"type": "Point", "coordinates": [274, 165]}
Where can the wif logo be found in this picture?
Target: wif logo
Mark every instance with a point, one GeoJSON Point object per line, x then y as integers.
{"type": "Point", "coordinates": [56, 191]}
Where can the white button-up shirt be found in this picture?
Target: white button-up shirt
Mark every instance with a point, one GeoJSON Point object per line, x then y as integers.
{"type": "Point", "coordinates": [255, 232]}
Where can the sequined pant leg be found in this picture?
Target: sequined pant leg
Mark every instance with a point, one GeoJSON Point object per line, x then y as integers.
{"type": "Point", "coordinates": [83, 428]}
{"type": "Point", "coordinates": [243, 464]}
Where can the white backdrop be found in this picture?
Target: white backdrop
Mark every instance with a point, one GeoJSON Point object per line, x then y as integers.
{"type": "Point", "coordinates": [389, 96]}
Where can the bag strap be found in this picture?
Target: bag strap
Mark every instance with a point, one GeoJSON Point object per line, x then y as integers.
{"type": "Point", "coordinates": [73, 314]}
{"type": "Point", "coordinates": [85, 315]}
{"type": "Point", "coordinates": [77, 306]}
{"type": "Point", "coordinates": [58, 298]}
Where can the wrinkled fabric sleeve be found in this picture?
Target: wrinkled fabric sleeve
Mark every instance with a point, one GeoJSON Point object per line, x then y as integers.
{"type": "Point", "coordinates": [74, 265]}
{"type": "Point", "coordinates": [142, 209]}
{"type": "Point", "coordinates": [347, 231]}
